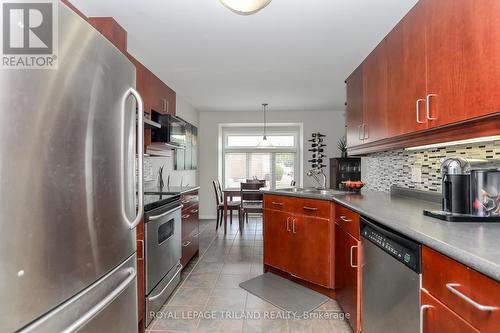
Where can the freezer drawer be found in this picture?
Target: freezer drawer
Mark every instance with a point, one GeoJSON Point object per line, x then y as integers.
{"type": "Point", "coordinates": [109, 305]}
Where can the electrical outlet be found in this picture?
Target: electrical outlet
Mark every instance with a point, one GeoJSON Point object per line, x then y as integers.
{"type": "Point", "coordinates": [416, 174]}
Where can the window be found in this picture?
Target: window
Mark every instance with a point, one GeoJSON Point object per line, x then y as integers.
{"type": "Point", "coordinates": [243, 158]}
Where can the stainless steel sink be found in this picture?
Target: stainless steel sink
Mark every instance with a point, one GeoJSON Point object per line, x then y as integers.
{"type": "Point", "coordinates": [294, 189]}
{"type": "Point", "coordinates": [313, 191]}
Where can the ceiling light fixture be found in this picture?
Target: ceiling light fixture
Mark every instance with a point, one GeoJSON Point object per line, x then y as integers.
{"type": "Point", "coordinates": [245, 7]}
{"type": "Point", "coordinates": [265, 142]}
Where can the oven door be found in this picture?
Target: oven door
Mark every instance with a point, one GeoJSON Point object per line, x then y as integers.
{"type": "Point", "coordinates": [163, 243]}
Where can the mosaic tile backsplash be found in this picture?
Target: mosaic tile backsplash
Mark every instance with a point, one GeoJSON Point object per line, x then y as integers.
{"type": "Point", "coordinates": [382, 170]}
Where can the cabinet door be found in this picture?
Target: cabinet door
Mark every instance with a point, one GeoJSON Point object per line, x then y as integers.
{"type": "Point", "coordinates": [437, 318]}
{"type": "Point", "coordinates": [463, 44]}
{"type": "Point", "coordinates": [348, 275]}
{"type": "Point", "coordinates": [406, 70]}
{"type": "Point", "coordinates": [277, 239]}
{"type": "Point", "coordinates": [354, 113]}
{"type": "Point", "coordinates": [375, 115]}
{"type": "Point", "coordinates": [312, 250]}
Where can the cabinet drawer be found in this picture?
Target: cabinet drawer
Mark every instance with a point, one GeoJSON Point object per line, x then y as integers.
{"type": "Point", "coordinates": [437, 318]}
{"type": "Point", "coordinates": [347, 220]}
{"type": "Point", "coordinates": [189, 199]}
{"type": "Point", "coordinates": [313, 208]}
{"type": "Point", "coordinates": [462, 289]}
{"type": "Point", "coordinates": [278, 202]}
{"type": "Point", "coordinates": [189, 248]}
{"type": "Point", "coordinates": [189, 223]}
{"type": "Point", "coordinates": [191, 209]}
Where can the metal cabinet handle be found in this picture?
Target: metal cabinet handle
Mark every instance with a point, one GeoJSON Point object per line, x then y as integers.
{"type": "Point", "coordinates": [186, 216]}
{"type": "Point", "coordinates": [142, 249]}
{"type": "Point", "coordinates": [365, 136]}
{"type": "Point", "coordinates": [168, 105]}
{"type": "Point", "coordinates": [345, 219]}
{"type": "Point", "coordinates": [186, 243]}
{"type": "Point", "coordinates": [428, 106]}
{"type": "Point", "coordinates": [352, 248]}
{"type": "Point", "coordinates": [102, 304]}
{"type": "Point", "coordinates": [313, 209]}
{"type": "Point", "coordinates": [140, 158]}
{"type": "Point", "coordinates": [293, 227]}
{"type": "Point", "coordinates": [452, 287]}
{"type": "Point", "coordinates": [277, 203]}
{"type": "Point", "coordinates": [359, 132]}
{"type": "Point", "coordinates": [422, 311]}
{"type": "Point", "coordinates": [417, 107]}
{"type": "Point", "coordinates": [288, 224]}
{"type": "Point", "coordinates": [156, 217]}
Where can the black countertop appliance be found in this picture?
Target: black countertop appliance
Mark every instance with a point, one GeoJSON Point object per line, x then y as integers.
{"type": "Point", "coordinates": [470, 190]}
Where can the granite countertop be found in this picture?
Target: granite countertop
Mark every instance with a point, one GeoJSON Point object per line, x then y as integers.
{"type": "Point", "coordinates": [476, 245]}
{"type": "Point", "coordinates": [170, 189]}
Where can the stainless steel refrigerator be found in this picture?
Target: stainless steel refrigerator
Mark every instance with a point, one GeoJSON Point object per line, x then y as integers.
{"type": "Point", "coordinates": [68, 180]}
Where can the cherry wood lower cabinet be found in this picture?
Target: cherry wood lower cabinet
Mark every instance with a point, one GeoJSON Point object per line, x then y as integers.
{"type": "Point", "coordinates": [190, 227]}
{"type": "Point", "coordinates": [437, 318]}
{"type": "Point", "coordinates": [467, 293]}
{"type": "Point", "coordinates": [299, 238]}
{"type": "Point", "coordinates": [300, 246]}
{"type": "Point", "coordinates": [348, 275]}
{"type": "Point", "coordinates": [278, 240]}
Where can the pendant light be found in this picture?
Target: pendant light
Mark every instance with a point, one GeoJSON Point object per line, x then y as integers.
{"type": "Point", "coordinates": [245, 7]}
{"type": "Point", "coordinates": [265, 142]}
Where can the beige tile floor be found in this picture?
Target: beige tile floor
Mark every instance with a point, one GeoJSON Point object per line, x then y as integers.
{"type": "Point", "coordinates": [210, 300]}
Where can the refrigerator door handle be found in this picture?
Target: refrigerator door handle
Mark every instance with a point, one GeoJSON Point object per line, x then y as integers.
{"type": "Point", "coordinates": [102, 304]}
{"type": "Point", "coordinates": [140, 156]}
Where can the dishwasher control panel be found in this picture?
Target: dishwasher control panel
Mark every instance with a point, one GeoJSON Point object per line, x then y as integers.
{"type": "Point", "coordinates": [404, 250]}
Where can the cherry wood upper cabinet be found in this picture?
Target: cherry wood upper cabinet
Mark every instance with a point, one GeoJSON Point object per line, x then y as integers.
{"type": "Point", "coordinates": [112, 30]}
{"type": "Point", "coordinates": [435, 78]}
{"type": "Point", "coordinates": [163, 98]}
{"type": "Point", "coordinates": [354, 114]}
{"type": "Point", "coordinates": [463, 48]}
{"type": "Point", "coordinates": [406, 74]}
{"type": "Point", "coordinates": [375, 115]}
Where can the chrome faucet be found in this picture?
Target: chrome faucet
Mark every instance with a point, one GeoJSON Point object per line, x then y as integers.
{"type": "Point", "coordinates": [314, 174]}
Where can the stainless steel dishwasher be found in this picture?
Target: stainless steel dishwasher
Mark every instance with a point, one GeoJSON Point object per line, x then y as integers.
{"type": "Point", "coordinates": [391, 274]}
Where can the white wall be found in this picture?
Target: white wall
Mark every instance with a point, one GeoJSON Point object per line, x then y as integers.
{"type": "Point", "coordinates": [331, 123]}
{"type": "Point", "coordinates": [187, 112]}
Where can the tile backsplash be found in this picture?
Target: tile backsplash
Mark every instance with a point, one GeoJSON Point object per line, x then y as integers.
{"type": "Point", "coordinates": [177, 177]}
{"type": "Point", "coordinates": [382, 170]}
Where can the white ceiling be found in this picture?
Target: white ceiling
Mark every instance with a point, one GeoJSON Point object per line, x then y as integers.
{"type": "Point", "coordinates": [294, 54]}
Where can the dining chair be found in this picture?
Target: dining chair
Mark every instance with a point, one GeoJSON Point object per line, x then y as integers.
{"type": "Point", "coordinates": [251, 200]}
{"type": "Point", "coordinates": [219, 201]}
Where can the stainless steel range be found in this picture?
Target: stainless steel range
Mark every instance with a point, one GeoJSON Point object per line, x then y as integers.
{"type": "Point", "coordinates": [163, 249]}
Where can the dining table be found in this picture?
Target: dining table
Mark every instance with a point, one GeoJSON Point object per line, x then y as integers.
{"type": "Point", "coordinates": [230, 193]}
